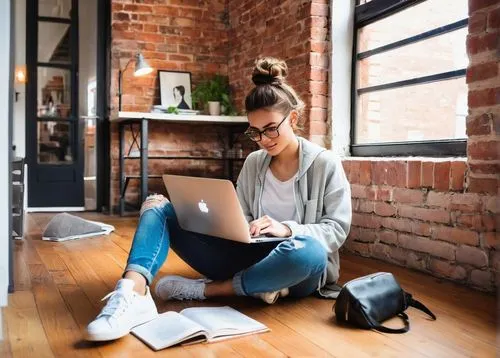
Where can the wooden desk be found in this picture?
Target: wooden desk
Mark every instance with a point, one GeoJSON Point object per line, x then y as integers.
{"type": "Point", "coordinates": [140, 141]}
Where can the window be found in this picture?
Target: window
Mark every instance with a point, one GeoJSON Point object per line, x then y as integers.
{"type": "Point", "coordinates": [409, 90]}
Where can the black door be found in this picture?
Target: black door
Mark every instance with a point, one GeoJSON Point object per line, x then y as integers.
{"type": "Point", "coordinates": [62, 102]}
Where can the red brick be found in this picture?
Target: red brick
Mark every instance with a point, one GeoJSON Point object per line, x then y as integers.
{"type": "Point", "coordinates": [366, 220]}
{"type": "Point", "coordinates": [416, 261]}
{"type": "Point", "coordinates": [317, 127]}
{"type": "Point", "coordinates": [483, 185]}
{"type": "Point", "coordinates": [441, 200]}
{"type": "Point", "coordinates": [442, 176]}
{"type": "Point", "coordinates": [492, 240]}
{"type": "Point", "coordinates": [480, 4]}
{"type": "Point", "coordinates": [477, 23]}
{"type": "Point", "coordinates": [319, 9]}
{"type": "Point", "coordinates": [455, 235]}
{"type": "Point", "coordinates": [472, 255]}
{"type": "Point", "coordinates": [358, 191]}
{"type": "Point", "coordinates": [384, 194]}
{"type": "Point", "coordinates": [354, 172]}
{"type": "Point", "coordinates": [380, 251]}
{"type": "Point", "coordinates": [396, 173]}
{"type": "Point", "coordinates": [121, 16]}
{"type": "Point", "coordinates": [317, 87]}
{"type": "Point", "coordinates": [366, 206]}
{"type": "Point", "coordinates": [482, 279]}
{"type": "Point", "coordinates": [482, 71]}
{"type": "Point", "coordinates": [457, 173]}
{"type": "Point", "coordinates": [432, 247]}
{"type": "Point", "coordinates": [137, 8]}
{"type": "Point", "coordinates": [490, 221]}
{"type": "Point", "coordinates": [319, 46]}
{"type": "Point", "coordinates": [358, 247]}
{"type": "Point", "coordinates": [432, 215]}
{"type": "Point", "coordinates": [365, 172]}
{"type": "Point", "coordinates": [389, 237]}
{"type": "Point", "coordinates": [318, 114]}
{"type": "Point", "coordinates": [379, 172]}
{"type": "Point", "coordinates": [408, 196]}
{"type": "Point", "coordinates": [318, 74]}
{"type": "Point", "coordinates": [447, 269]}
{"type": "Point", "coordinates": [367, 235]}
{"type": "Point", "coordinates": [492, 204]}
{"type": "Point", "coordinates": [494, 18]}
{"type": "Point", "coordinates": [485, 168]}
{"type": "Point", "coordinates": [414, 176]}
{"type": "Point", "coordinates": [484, 150]}
{"type": "Point", "coordinates": [481, 43]}
{"type": "Point", "coordinates": [406, 225]}
{"type": "Point", "coordinates": [384, 209]}
{"type": "Point", "coordinates": [472, 221]}
{"type": "Point", "coordinates": [427, 174]}
{"type": "Point", "coordinates": [346, 164]}
{"type": "Point", "coordinates": [480, 125]}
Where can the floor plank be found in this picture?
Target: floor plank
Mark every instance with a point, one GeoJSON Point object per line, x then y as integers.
{"type": "Point", "coordinates": [26, 334]}
{"type": "Point", "coordinates": [60, 285]}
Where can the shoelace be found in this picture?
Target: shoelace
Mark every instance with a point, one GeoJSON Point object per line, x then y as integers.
{"type": "Point", "coordinates": [117, 304]}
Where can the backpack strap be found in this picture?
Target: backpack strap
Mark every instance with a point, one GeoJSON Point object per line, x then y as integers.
{"type": "Point", "coordinates": [418, 305]}
{"type": "Point", "coordinates": [377, 326]}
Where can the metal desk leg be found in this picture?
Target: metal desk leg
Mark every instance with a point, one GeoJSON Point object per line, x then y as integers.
{"type": "Point", "coordinates": [144, 159]}
{"type": "Point", "coordinates": [121, 130]}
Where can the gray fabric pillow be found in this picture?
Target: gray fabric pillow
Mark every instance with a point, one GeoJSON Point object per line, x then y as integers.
{"type": "Point", "coordinates": [65, 225]}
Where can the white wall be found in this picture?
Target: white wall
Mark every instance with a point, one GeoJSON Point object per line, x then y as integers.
{"type": "Point", "coordinates": [19, 136]}
{"type": "Point", "coordinates": [341, 28]}
{"type": "Point", "coordinates": [5, 97]}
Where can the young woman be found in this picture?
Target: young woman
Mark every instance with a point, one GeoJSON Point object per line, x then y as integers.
{"type": "Point", "coordinates": [291, 188]}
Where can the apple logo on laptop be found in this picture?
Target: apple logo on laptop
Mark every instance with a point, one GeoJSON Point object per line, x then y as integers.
{"type": "Point", "coordinates": [203, 206]}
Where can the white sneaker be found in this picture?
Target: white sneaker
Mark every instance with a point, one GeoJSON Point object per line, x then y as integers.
{"type": "Point", "coordinates": [124, 310]}
{"type": "Point", "coordinates": [272, 297]}
{"type": "Point", "coordinates": [180, 288]}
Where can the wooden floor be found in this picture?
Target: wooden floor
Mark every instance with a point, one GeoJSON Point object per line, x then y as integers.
{"type": "Point", "coordinates": [59, 287]}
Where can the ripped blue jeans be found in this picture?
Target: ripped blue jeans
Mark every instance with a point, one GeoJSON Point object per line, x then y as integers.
{"type": "Point", "coordinates": [296, 263]}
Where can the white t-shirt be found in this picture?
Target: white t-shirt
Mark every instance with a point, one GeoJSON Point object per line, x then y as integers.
{"type": "Point", "coordinates": [278, 198]}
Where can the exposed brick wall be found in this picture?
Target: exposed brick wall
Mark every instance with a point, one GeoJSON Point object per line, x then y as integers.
{"type": "Point", "coordinates": [293, 30]}
{"type": "Point", "coordinates": [206, 37]}
{"type": "Point", "coordinates": [182, 35]}
{"type": "Point", "coordinates": [441, 216]}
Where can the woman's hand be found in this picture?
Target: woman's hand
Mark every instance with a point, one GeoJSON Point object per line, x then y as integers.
{"type": "Point", "coordinates": [266, 225]}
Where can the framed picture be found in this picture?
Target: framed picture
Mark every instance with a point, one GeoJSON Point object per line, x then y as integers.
{"type": "Point", "coordinates": [175, 89]}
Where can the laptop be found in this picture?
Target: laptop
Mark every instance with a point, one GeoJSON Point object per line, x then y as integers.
{"type": "Point", "coordinates": [211, 207]}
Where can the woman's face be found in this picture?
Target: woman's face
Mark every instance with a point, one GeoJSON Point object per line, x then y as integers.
{"type": "Point", "coordinates": [272, 121]}
{"type": "Point", "coordinates": [177, 94]}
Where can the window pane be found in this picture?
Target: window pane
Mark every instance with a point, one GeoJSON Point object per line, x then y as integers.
{"type": "Point", "coordinates": [54, 92]}
{"type": "Point", "coordinates": [53, 42]}
{"type": "Point", "coordinates": [424, 112]}
{"type": "Point", "coordinates": [436, 55]}
{"type": "Point", "coordinates": [54, 142]}
{"type": "Point", "coordinates": [411, 21]}
{"type": "Point", "coordinates": [54, 8]}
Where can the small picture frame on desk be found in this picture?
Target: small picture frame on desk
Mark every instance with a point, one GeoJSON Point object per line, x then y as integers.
{"type": "Point", "coordinates": [175, 89]}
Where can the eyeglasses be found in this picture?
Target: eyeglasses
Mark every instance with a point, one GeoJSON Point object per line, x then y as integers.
{"type": "Point", "coordinates": [255, 135]}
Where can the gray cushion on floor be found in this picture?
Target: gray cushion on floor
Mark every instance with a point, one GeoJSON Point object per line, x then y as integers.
{"type": "Point", "coordinates": [65, 225]}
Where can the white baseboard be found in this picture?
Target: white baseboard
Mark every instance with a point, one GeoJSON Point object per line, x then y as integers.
{"type": "Point", "coordinates": [60, 209]}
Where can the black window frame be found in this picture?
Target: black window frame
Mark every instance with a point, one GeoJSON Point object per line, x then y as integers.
{"type": "Point", "coordinates": [369, 13]}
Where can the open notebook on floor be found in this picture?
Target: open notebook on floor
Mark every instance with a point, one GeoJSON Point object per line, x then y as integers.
{"type": "Point", "coordinates": [196, 324]}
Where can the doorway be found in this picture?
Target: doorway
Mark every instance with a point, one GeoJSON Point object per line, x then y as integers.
{"type": "Point", "coordinates": [65, 107]}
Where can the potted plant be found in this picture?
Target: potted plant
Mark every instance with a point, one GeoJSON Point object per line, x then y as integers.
{"type": "Point", "coordinates": [213, 93]}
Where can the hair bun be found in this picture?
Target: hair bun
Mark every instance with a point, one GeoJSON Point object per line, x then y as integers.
{"type": "Point", "coordinates": [269, 71]}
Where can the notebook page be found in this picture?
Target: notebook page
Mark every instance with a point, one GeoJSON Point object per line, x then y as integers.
{"type": "Point", "coordinates": [168, 329]}
{"type": "Point", "coordinates": [222, 321]}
